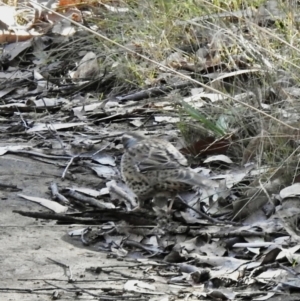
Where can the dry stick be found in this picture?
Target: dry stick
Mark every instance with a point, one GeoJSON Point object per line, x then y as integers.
{"type": "Point", "coordinates": [34, 4]}
{"type": "Point", "coordinates": [65, 289]}
{"type": "Point", "coordinates": [67, 267]}
{"type": "Point", "coordinates": [71, 162]}
{"type": "Point", "coordinates": [125, 276]}
{"type": "Point", "coordinates": [10, 186]}
{"type": "Point", "coordinates": [55, 135]}
{"type": "Point", "coordinates": [53, 216]}
{"type": "Point", "coordinates": [154, 91]}
{"type": "Point", "coordinates": [77, 281]}
{"type": "Point", "coordinates": [232, 234]}
{"type": "Point", "coordinates": [100, 150]}
{"type": "Point", "coordinates": [144, 122]}
{"type": "Point", "coordinates": [56, 195]}
{"type": "Point", "coordinates": [85, 291]}
{"type": "Point", "coordinates": [211, 219]}
{"type": "Point", "coordinates": [67, 167]}
{"type": "Point", "coordinates": [98, 296]}
{"type": "Point", "coordinates": [25, 123]}
{"type": "Point", "coordinates": [27, 290]}
{"type": "Point", "coordinates": [86, 199]}
{"type": "Point", "coordinates": [39, 154]}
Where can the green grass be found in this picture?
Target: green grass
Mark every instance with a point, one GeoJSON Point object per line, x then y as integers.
{"type": "Point", "coordinates": [233, 41]}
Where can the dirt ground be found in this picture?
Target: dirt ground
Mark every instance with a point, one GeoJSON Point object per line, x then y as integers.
{"type": "Point", "coordinates": [27, 244]}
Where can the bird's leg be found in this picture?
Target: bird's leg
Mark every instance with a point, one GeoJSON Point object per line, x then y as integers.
{"type": "Point", "coordinates": [171, 204]}
{"type": "Point", "coordinates": [160, 200]}
{"type": "Point", "coordinates": [139, 207]}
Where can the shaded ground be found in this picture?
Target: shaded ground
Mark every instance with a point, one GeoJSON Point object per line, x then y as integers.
{"type": "Point", "coordinates": [223, 57]}
{"type": "Point", "coordinates": [26, 244]}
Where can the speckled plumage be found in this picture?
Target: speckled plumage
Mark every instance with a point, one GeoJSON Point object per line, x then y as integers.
{"type": "Point", "coordinates": [152, 166]}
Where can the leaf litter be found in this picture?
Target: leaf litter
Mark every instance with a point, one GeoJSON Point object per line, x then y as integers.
{"type": "Point", "coordinates": [68, 109]}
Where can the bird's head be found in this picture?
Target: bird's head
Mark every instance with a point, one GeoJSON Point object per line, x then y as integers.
{"type": "Point", "coordinates": [130, 139]}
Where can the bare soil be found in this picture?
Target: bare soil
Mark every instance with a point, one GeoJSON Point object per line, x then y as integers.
{"type": "Point", "coordinates": [27, 244]}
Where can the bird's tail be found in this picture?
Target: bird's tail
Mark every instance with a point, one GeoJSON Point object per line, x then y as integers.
{"type": "Point", "coordinates": [190, 177]}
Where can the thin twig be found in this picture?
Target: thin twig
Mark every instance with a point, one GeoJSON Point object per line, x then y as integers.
{"type": "Point", "coordinates": [207, 217]}
{"type": "Point", "coordinates": [67, 167]}
{"type": "Point", "coordinates": [66, 267]}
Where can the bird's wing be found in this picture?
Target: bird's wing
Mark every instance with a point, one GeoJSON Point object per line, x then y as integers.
{"type": "Point", "coordinates": [192, 178]}
{"type": "Point", "coordinates": [159, 158]}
